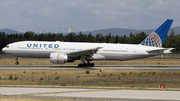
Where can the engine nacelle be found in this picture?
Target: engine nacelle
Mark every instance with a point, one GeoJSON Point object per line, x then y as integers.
{"type": "Point", "coordinates": [58, 58]}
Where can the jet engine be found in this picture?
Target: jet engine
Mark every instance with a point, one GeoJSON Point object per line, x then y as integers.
{"type": "Point", "coordinates": [58, 58]}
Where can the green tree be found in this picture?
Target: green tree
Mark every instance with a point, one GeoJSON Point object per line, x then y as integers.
{"type": "Point", "coordinates": [71, 37]}
{"type": "Point", "coordinates": [90, 38]}
{"type": "Point", "coordinates": [116, 39]}
{"type": "Point", "coordinates": [99, 37]}
{"type": "Point", "coordinates": [140, 37]}
{"type": "Point", "coordinates": [177, 50]}
{"type": "Point", "coordinates": [172, 39]}
{"type": "Point", "coordinates": [29, 35]}
{"type": "Point", "coordinates": [124, 39]}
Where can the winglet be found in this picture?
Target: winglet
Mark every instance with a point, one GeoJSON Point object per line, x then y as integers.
{"type": "Point", "coordinates": [157, 37]}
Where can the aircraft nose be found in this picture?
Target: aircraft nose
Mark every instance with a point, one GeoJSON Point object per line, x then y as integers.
{"type": "Point", "coordinates": [3, 49]}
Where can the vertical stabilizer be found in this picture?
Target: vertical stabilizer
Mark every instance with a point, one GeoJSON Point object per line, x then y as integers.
{"type": "Point", "coordinates": [157, 37]}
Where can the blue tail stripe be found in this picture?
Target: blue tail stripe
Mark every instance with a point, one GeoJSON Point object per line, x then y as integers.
{"type": "Point", "coordinates": [164, 29]}
{"type": "Point", "coordinates": [156, 38]}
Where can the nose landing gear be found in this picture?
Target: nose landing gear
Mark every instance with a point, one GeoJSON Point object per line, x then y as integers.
{"type": "Point", "coordinates": [17, 63]}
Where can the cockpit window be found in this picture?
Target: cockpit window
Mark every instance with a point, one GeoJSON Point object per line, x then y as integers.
{"type": "Point", "coordinates": [7, 46]}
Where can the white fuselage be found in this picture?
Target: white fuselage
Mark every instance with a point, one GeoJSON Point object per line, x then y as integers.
{"type": "Point", "coordinates": [43, 49]}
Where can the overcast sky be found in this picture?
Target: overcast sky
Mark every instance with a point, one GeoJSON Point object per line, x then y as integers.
{"type": "Point", "coordinates": [86, 15]}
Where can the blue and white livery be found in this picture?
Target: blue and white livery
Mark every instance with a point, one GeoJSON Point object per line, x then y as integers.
{"type": "Point", "coordinates": [156, 38]}
{"type": "Point", "coordinates": [61, 52]}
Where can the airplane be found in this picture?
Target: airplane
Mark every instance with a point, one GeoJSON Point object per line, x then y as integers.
{"type": "Point", "coordinates": [61, 52]}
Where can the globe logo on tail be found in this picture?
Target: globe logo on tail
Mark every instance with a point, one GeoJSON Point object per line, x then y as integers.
{"type": "Point", "coordinates": [152, 40]}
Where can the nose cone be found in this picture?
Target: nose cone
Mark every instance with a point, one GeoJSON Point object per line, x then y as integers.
{"type": "Point", "coordinates": [4, 49]}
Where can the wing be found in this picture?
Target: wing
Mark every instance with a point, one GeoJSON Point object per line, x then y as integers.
{"type": "Point", "coordinates": [86, 52]}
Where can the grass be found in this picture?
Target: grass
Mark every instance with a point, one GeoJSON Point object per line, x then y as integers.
{"type": "Point", "coordinates": [132, 79]}
{"type": "Point", "coordinates": [57, 77]}
{"type": "Point", "coordinates": [138, 62]}
{"type": "Point", "coordinates": [87, 72]}
{"type": "Point", "coordinates": [10, 77]}
{"type": "Point", "coordinates": [46, 99]}
{"type": "Point", "coordinates": [78, 78]}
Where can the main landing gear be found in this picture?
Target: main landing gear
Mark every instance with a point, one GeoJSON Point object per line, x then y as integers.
{"type": "Point", "coordinates": [17, 63]}
{"type": "Point", "coordinates": [88, 64]}
{"type": "Point", "coordinates": [85, 60]}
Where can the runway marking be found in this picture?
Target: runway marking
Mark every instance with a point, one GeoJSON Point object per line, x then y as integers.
{"type": "Point", "coordinates": [117, 95]}
{"type": "Point", "coordinates": [113, 94]}
{"type": "Point", "coordinates": [96, 67]}
{"type": "Point", "coordinates": [51, 92]}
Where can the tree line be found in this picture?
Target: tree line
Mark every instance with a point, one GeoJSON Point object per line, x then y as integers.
{"type": "Point", "coordinates": [171, 41]}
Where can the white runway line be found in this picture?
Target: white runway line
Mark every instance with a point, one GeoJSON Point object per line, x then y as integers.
{"type": "Point", "coordinates": [26, 90]}
{"type": "Point", "coordinates": [90, 93]}
{"type": "Point", "coordinates": [98, 67]}
{"type": "Point", "coordinates": [123, 94]}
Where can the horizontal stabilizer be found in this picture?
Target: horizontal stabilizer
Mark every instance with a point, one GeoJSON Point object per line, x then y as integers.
{"type": "Point", "coordinates": [166, 50]}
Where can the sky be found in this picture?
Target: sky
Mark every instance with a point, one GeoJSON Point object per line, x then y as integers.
{"type": "Point", "coordinates": [86, 15]}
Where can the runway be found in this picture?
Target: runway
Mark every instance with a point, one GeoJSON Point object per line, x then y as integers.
{"type": "Point", "coordinates": [78, 93]}
{"type": "Point", "coordinates": [96, 67]}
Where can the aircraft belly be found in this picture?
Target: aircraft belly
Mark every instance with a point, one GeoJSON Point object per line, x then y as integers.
{"type": "Point", "coordinates": [122, 57]}
{"type": "Point", "coordinates": [116, 57]}
{"type": "Point", "coordinates": [31, 54]}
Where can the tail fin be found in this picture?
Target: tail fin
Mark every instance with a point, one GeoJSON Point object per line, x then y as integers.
{"type": "Point", "coordinates": [157, 37]}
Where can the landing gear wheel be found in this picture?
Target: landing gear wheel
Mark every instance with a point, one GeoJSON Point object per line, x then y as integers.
{"type": "Point", "coordinates": [92, 64]}
{"type": "Point", "coordinates": [79, 65]}
{"type": "Point", "coordinates": [17, 63]}
{"type": "Point", "coordinates": [86, 65]}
